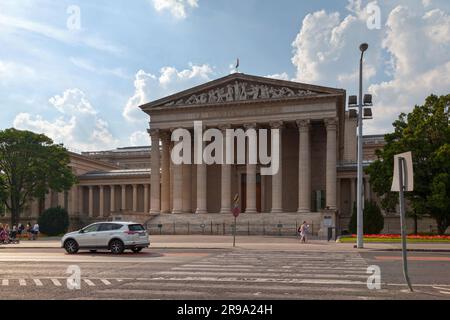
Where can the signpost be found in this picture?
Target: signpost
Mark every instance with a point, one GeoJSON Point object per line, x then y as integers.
{"type": "Point", "coordinates": [403, 180]}
{"type": "Point", "coordinates": [236, 211]}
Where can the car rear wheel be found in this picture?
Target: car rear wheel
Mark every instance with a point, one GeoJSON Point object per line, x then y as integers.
{"type": "Point", "coordinates": [116, 247]}
{"type": "Point", "coordinates": [71, 246]}
{"type": "Point", "coordinates": [136, 250]}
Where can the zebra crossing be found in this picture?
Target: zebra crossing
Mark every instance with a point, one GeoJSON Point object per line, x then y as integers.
{"type": "Point", "coordinates": [55, 282]}
{"type": "Point", "coordinates": [259, 275]}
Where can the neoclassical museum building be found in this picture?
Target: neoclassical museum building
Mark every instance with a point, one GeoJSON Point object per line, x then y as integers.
{"type": "Point", "coordinates": [316, 180]}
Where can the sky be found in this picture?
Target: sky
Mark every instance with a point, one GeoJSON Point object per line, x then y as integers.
{"type": "Point", "coordinates": [78, 70]}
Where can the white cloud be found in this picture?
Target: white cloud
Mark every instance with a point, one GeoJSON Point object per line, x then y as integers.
{"type": "Point", "coordinates": [13, 72]}
{"type": "Point", "coordinates": [140, 138]}
{"type": "Point", "coordinates": [420, 46]}
{"type": "Point", "coordinates": [151, 87]}
{"type": "Point", "coordinates": [89, 66]}
{"type": "Point", "coordinates": [279, 76]}
{"type": "Point", "coordinates": [12, 24]}
{"type": "Point", "coordinates": [176, 7]}
{"type": "Point", "coordinates": [411, 48]}
{"type": "Point", "coordinates": [79, 125]}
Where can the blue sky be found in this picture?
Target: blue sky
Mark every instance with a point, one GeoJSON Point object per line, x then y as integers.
{"type": "Point", "coordinates": [82, 86]}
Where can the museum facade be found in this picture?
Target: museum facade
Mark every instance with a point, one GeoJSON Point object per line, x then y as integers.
{"type": "Point", "coordinates": [316, 180]}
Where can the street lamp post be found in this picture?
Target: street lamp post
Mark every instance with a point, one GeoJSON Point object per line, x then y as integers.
{"type": "Point", "coordinates": [362, 114]}
{"type": "Point", "coordinates": [359, 213]}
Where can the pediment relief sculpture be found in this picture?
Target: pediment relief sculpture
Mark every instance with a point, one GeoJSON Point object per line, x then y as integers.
{"type": "Point", "coordinates": [241, 91]}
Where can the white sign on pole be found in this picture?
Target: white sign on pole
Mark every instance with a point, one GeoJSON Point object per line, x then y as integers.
{"type": "Point", "coordinates": [408, 176]}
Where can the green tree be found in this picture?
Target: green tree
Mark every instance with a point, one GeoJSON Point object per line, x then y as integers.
{"type": "Point", "coordinates": [54, 221]}
{"type": "Point", "coordinates": [372, 217]}
{"type": "Point", "coordinates": [426, 133]}
{"type": "Point", "coordinates": [30, 165]}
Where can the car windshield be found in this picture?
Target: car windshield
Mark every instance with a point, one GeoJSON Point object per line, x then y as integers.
{"type": "Point", "coordinates": [136, 227]}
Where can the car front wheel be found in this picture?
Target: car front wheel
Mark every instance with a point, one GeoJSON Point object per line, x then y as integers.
{"type": "Point", "coordinates": [71, 246]}
{"type": "Point", "coordinates": [116, 247]}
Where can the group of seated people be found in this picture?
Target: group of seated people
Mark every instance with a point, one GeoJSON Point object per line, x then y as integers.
{"type": "Point", "coordinates": [8, 235]}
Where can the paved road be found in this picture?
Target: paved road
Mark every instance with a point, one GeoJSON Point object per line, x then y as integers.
{"type": "Point", "coordinates": [219, 274]}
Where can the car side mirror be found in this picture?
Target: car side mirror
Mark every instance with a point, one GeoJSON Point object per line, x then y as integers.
{"type": "Point", "coordinates": [81, 231]}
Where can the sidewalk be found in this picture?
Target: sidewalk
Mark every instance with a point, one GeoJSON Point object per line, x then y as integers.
{"type": "Point", "coordinates": [249, 243]}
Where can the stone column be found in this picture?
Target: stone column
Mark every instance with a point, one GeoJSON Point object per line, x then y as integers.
{"type": "Point", "coordinates": [134, 197]}
{"type": "Point", "coordinates": [146, 204]}
{"type": "Point", "coordinates": [304, 166]}
{"type": "Point", "coordinates": [352, 193]}
{"type": "Point", "coordinates": [177, 192]}
{"type": "Point", "coordinates": [187, 195]}
{"type": "Point", "coordinates": [61, 199]}
{"type": "Point", "coordinates": [225, 203]}
{"type": "Point", "coordinates": [251, 169]}
{"type": "Point", "coordinates": [74, 204]}
{"type": "Point", "coordinates": [112, 205]}
{"type": "Point", "coordinates": [91, 201]}
{"type": "Point", "coordinates": [101, 201]}
{"type": "Point", "coordinates": [331, 164]}
{"type": "Point", "coordinates": [48, 200]}
{"type": "Point", "coordinates": [201, 186]}
{"type": "Point", "coordinates": [165, 172]}
{"type": "Point", "coordinates": [34, 208]}
{"type": "Point", "coordinates": [277, 179]}
{"type": "Point", "coordinates": [367, 189]}
{"type": "Point", "coordinates": [81, 199]}
{"type": "Point", "coordinates": [123, 204]}
{"type": "Point", "coordinates": [155, 201]}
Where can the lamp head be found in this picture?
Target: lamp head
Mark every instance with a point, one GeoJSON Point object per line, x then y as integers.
{"type": "Point", "coordinates": [363, 47]}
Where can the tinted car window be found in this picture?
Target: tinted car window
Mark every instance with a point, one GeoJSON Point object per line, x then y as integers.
{"type": "Point", "coordinates": [136, 227]}
{"type": "Point", "coordinates": [109, 226]}
{"type": "Point", "coordinates": [91, 228]}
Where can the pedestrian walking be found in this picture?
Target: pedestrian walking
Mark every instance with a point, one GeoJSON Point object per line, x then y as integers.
{"type": "Point", "coordinates": [303, 231]}
{"type": "Point", "coordinates": [35, 231]}
{"type": "Point", "coordinates": [29, 230]}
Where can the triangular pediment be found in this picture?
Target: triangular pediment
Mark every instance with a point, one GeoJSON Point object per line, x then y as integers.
{"type": "Point", "coordinates": [239, 87]}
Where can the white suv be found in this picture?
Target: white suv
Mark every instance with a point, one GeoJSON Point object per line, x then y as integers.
{"type": "Point", "coordinates": [114, 236]}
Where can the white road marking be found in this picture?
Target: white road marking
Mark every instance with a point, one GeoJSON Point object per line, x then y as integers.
{"type": "Point", "coordinates": [106, 282]}
{"type": "Point", "coordinates": [89, 282]}
{"type": "Point", "coordinates": [5, 282]}
{"type": "Point", "coordinates": [56, 282]}
{"type": "Point", "coordinates": [22, 282]}
{"type": "Point", "coordinates": [38, 282]}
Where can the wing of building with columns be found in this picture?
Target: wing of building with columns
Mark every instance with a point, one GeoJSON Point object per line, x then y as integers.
{"type": "Point", "coordinates": [316, 180]}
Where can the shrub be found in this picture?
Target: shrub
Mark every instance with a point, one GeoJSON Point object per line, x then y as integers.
{"type": "Point", "coordinates": [54, 221]}
{"type": "Point", "coordinates": [373, 219]}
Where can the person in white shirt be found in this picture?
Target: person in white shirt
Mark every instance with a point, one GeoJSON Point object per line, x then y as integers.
{"type": "Point", "coordinates": [35, 231]}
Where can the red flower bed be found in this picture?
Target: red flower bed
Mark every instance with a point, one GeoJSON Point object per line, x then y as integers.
{"type": "Point", "coordinates": [398, 236]}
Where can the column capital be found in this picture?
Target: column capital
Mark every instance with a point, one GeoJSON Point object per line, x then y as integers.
{"type": "Point", "coordinates": [251, 125]}
{"type": "Point", "coordinates": [165, 134]}
{"type": "Point", "coordinates": [153, 132]}
{"type": "Point", "coordinates": [330, 123]}
{"type": "Point", "coordinates": [224, 127]}
{"type": "Point", "coordinates": [303, 125]}
{"type": "Point", "coordinates": [276, 124]}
